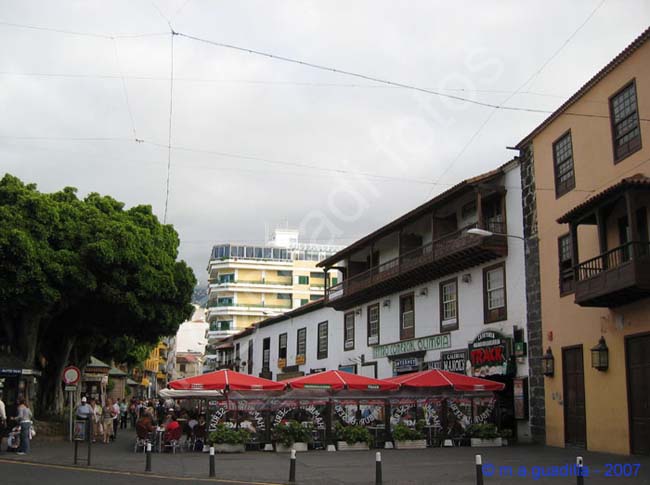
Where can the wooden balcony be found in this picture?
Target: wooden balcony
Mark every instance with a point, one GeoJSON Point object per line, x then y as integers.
{"type": "Point", "coordinates": [452, 253]}
{"type": "Point", "coordinates": [614, 278]}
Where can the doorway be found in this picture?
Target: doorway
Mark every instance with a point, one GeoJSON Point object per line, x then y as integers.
{"type": "Point", "coordinates": [637, 352]}
{"type": "Point", "coordinates": [573, 376]}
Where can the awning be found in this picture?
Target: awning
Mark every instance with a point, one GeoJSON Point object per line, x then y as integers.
{"type": "Point", "coordinates": [226, 380]}
{"type": "Point", "coordinates": [337, 380]}
{"type": "Point", "coordinates": [188, 393]}
{"type": "Point", "coordinates": [436, 378]}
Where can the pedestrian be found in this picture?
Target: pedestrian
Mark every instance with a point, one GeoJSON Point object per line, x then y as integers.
{"type": "Point", "coordinates": [116, 418]}
{"type": "Point", "coordinates": [123, 413]}
{"type": "Point", "coordinates": [25, 419]}
{"type": "Point", "coordinates": [107, 421]}
{"type": "Point", "coordinates": [96, 418]}
{"type": "Point", "coordinates": [3, 419]}
{"type": "Point", "coordinates": [84, 411]}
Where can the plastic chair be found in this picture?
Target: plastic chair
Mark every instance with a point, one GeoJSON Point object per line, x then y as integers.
{"type": "Point", "coordinates": [173, 439]}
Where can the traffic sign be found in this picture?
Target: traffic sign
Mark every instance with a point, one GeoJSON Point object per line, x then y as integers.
{"type": "Point", "coordinates": [70, 388]}
{"type": "Point", "coordinates": [71, 375]}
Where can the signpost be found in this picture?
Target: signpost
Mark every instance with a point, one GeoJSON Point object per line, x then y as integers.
{"type": "Point", "coordinates": [71, 377]}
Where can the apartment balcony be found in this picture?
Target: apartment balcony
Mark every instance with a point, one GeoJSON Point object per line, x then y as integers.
{"type": "Point", "coordinates": [241, 284]}
{"type": "Point", "coordinates": [449, 254]}
{"type": "Point", "coordinates": [219, 334]}
{"type": "Point", "coordinates": [614, 278]}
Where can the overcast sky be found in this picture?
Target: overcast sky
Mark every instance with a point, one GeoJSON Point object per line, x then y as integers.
{"type": "Point", "coordinates": [258, 142]}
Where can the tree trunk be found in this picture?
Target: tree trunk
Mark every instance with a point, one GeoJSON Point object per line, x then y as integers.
{"type": "Point", "coordinates": [52, 400]}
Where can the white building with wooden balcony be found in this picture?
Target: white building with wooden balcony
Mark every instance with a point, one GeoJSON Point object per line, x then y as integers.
{"type": "Point", "coordinates": [424, 291]}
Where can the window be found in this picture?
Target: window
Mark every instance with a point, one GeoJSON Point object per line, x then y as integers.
{"type": "Point", "coordinates": [301, 349]}
{"type": "Point", "coordinates": [565, 256]}
{"type": "Point", "coordinates": [225, 301]}
{"type": "Point", "coordinates": [407, 317]}
{"type": "Point", "coordinates": [282, 346]}
{"type": "Point", "coordinates": [373, 324]}
{"type": "Point", "coordinates": [317, 275]}
{"type": "Point", "coordinates": [563, 162]}
{"type": "Point", "coordinates": [494, 293]}
{"type": "Point", "coordinates": [303, 301]}
{"type": "Point", "coordinates": [314, 297]}
{"type": "Point", "coordinates": [303, 280]}
{"type": "Point", "coordinates": [285, 273]}
{"type": "Point", "coordinates": [227, 278]}
{"type": "Point", "coordinates": [449, 305]}
{"type": "Point", "coordinates": [335, 281]}
{"type": "Point", "coordinates": [266, 354]}
{"type": "Point", "coordinates": [221, 325]}
{"type": "Point", "coordinates": [182, 367]}
{"type": "Point", "coordinates": [348, 331]}
{"type": "Point", "coordinates": [322, 341]}
{"type": "Point", "coordinates": [250, 357]}
{"type": "Point", "coordinates": [284, 296]}
{"type": "Point", "coordinates": [626, 135]}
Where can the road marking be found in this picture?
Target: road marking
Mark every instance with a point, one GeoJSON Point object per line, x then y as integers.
{"type": "Point", "coordinates": [133, 474]}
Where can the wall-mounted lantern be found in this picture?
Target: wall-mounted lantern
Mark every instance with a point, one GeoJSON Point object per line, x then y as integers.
{"type": "Point", "coordinates": [600, 355]}
{"type": "Point", "coordinates": [548, 363]}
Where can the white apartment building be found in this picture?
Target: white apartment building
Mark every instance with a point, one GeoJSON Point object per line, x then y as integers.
{"type": "Point", "coordinates": [420, 292]}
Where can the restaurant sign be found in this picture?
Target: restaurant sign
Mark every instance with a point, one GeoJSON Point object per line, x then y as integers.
{"type": "Point", "coordinates": [489, 353]}
{"type": "Point", "coordinates": [433, 342]}
{"type": "Point", "coordinates": [410, 364]}
{"type": "Point", "coordinates": [454, 361]}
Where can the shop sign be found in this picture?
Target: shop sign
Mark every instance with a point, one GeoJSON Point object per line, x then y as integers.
{"type": "Point", "coordinates": [406, 365]}
{"type": "Point", "coordinates": [282, 363]}
{"type": "Point", "coordinates": [520, 349]}
{"type": "Point", "coordinates": [433, 342]}
{"type": "Point", "coordinates": [432, 365]}
{"type": "Point", "coordinates": [488, 354]}
{"type": "Point", "coordinates": [300, 359]}
{"type": "Point", "coordinates": [454, 361]}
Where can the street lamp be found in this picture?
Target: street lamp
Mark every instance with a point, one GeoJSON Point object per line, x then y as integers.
{"type": "Point", "coordinates": [485, 233]}
{"type": "Point", "coordinates": [548, 363]}
{"type": "Point", "coordinates": [600, 355]}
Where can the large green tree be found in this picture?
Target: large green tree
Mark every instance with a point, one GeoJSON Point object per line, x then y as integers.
{"type": "Point", "coordinates": [79, 275]}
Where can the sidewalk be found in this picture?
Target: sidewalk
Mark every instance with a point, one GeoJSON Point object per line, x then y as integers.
{"type": "Point", "coordinates": [431, 466]}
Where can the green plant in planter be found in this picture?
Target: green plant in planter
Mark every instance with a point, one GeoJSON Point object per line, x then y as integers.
{"type": "Point", "coordinates": [401, 432]}
{"type": "Point", "coordinates": [225, 435]}
{"type": "Point", "coordinates": [506, 433]}
{"type": "Point", "coordinates": [291, 432]}
{"type": "Point", "coordinates": [353, 434]}
{"type": "Point", "coordinates": [484, 431]}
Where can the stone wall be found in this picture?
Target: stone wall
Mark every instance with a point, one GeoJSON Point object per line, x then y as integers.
{"type": "Point", "coordinates": [533, 298]}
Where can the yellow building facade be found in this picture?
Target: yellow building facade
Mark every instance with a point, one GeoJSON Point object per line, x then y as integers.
{"type": "Point", "coordinates": [587, 210]}
{"type": "Point", "coordinates": [250, 283]}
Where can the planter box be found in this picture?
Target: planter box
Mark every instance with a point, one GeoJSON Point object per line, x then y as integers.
{"type": "Point", "coordinates": [479, 443]}
{"type": "Point", "coordinates": [229, 448]}
{"type": "Point", "coordinates": [344, 446]}
{"type": "Point", "coordinates": [410, 444]}
{"type": "Point", "coordinates": [286, 449]}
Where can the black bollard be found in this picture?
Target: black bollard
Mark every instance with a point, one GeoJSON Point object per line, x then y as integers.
{"type": "Point", "coordinates": [479, 470]}
{"type": "Point", "coordinates": [147, 467]}
{"type": "Point", "coordinates": [212, 470]}
{"type": "Point", "coordinates": [378, 478]}
{"type": "Point", "coordinates": [580, 480]}
{"type": "Point", "coordinates": [292, 467]}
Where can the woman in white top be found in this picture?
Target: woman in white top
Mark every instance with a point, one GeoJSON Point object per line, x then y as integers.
{"type": "Point", "coordinates": [25, 420]}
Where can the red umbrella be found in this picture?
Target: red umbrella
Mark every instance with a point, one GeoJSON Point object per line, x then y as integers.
{"type": "Point", "coordinates": [226, 380]}
{"type": "Point", "coordinates": [442, 378]}
{"type": "Point", "coordinates": [336, 380]}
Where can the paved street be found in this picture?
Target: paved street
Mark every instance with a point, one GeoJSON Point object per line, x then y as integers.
{"type": "Point", "coordinates": [51, 462]}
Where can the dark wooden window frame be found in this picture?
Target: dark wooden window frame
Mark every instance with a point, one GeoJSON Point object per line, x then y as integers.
{"type": "Point", "coordinates": [322, 355]}
{"type": "Point", "coordinates": [298, 332]}
{"type": "Point", "coordinates": [560, 191]}
{"type": "Point", "coordinates": [266, 362]}
{"type": "Point", "coordinates": [563, 291]}
{"type": "Point", "coordinates": [503, 315]}
{"type": "Point", "coordinates": [345, 328]}
{"type": "Point", "coordinates": [373, 306]}
{"type": "Point", "coordinates": [448, 328]}
{"type": "Point", "coordinates": [620, 158]}
{"type": "Point", "coordinates": [401, 315]}
{"type": "Point", "coordinates": [286, 345]}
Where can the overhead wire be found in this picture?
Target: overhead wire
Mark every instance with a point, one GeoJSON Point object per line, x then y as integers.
{"type": "Point", "coordinates": [169, 131]}
{"type": "Point", "coordinates": [124, 88]}
{"type": "Point", "coordinates": [512, 95]}
{"type": "Point", "coordinates": [78, 33]}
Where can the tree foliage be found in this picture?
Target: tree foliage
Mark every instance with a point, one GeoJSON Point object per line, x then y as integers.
{"type": "Point", "coordinates": [79, 275]}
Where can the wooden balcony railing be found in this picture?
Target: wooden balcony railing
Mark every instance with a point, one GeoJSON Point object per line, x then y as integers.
{"type": "Point", "coordinates": [611, 259]}
{"type": "Point", "coordinates": [436, 251]}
